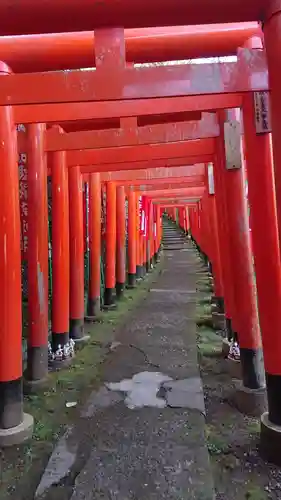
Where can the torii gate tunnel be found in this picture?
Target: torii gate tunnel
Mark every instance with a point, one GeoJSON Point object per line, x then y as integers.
{"type": "Point", "coordinates": [138, 140]}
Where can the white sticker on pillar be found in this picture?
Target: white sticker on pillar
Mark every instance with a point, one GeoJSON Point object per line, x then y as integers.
{"type": "Point", "coordinates": [262, 112]}
{"type": "Point", "coordinates": [211, 182]}
{"type": "Point", "coordinates": [233, 146]}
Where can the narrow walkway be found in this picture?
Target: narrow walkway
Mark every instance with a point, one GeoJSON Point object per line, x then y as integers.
{"type": "Point", "coordinates": [146, 424]}
{"type": "Point", "coordinates": [155, 453]}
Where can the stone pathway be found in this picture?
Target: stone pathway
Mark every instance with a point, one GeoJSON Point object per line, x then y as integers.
{"type": "Point", "coordinates": [145, 425]}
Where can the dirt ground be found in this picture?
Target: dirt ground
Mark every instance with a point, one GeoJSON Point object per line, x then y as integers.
{"type": "Point", "coordinates": [21, 467]}
{"type": "Point", "coordinates": [239, 472]}
{"type": "Point", "coordinates": [233, 439]}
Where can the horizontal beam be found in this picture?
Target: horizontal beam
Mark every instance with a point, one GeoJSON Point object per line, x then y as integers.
{"type": "Point", "coordinates": [168, 185]}
{"type": "Point", "coordinates": [181, 199]}
{"type": "Point", "coordinates": [139, 176]}
{"type": "Point", "coordinates": [187, 192]}
{"type": "Point", "coordinates": [98, 157]}
{"type": "Point", "coordinates": [248, 74]}
{"type": "Point", "coordinates": [94, 139]}
{"type": "Point", "coordinates": [195, 179]}
{"type": "Point", "coordinates": [139, 165]}
{"type": "Point", "coordinates": [177, 204]}
{"type": "Point", "coordinates": [54, 113]}
{"type": "Point", "coordinates": [60, 51]}
{"type": "Point", "coordinates": [52, 16]}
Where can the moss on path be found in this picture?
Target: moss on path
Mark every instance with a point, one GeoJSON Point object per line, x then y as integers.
{"type": "Point", "coordinates": [21, 468]}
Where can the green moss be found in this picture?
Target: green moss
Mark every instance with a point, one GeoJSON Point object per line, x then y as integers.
{"type": "Point", "coordinates": [48, 405]}
{"type": "Point", "coordinates": [254, 492]}
{"type": "Point", "coordinates": [216, 444]}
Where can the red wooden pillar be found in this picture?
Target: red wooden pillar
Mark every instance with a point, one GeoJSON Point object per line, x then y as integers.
{"type": "Point", "coordinates": [197, 217]}
{"type": "Point", "coordinates": [76, 234]}
{"type": "Point", "coordinates": [150, 235]}
{"type": "Point", "coordinates": [224, 237]}
{"type": "Point", "coordinates": [110, 245]}
{"type": "Point", "coordinates": [60, 256]}
{"type": "Point", "coordinates": [37, 351]}
{"type": "Point", "coordinates": [147, 236]}
{"type": "Point", "coordinates": [205, 229]}
{"type": "Point", "coordinates": [138, 240]}
{"type": "Point", "coordinates": [15, 427]}
{"type": "Point", "coordinates": [93, 306]}
{"type": "Point", "coordinates": [192, 223]}
{"type": "Point", "coordinates": [132, 239]}
{"type": "Point", "coordinates": [158, 232]}
{"type": "Point", "coordinates": [121, 250]}
{"type": "Point", "coordinates": [215, 248]}
{"type": "Point", "coordinates": [144, 238]}
{"type": "Point", "coordinates": [271, 423]}
{"type": "Point", "coordinates": [187, 221]}
{"type": "Point", "coordinates": [261, 192]}
{"type": "Point", "coordinates": [243, 278]}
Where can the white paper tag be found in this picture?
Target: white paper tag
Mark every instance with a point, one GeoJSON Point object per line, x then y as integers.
{"type": "Point", "coordinates": [211, 178]}
{"type": "Point", "coordinates": [262, 112]}
{"type": "Point", "coordinates": [233, 149]}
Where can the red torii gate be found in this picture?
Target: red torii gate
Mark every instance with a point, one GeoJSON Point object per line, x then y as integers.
{"type": "Point", "coordinates": [61, 15]}
{"type": "Point", "coordinates": [27, 54]}
{"type": "Point", "coordinates": [149, 93]}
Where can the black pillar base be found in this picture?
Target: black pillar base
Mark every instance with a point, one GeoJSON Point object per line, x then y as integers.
{"type": "Point", "coordinates": [253, 375]}
{"type": "Point", "coordinates": [59, 339]}
{"type": "Point", "coordinates": [15, 434]}
{"type": "Point", "coordinates": [76, 330]}
{"type": "Point", "coordinates": [93, 310]}
{"type": "Point", "coordinates": [37, 366]}
{"type": "Point", "coordinates": [131, 281]}
{"type": "Point", "coordinates": [147, 266]}
{"type": "Point", "coordinates": [150, 265]}
{"type": "Point", "coordinates": [270, 440]}
{"type": "Point", "coordinates": [273, 385]}
{"type": "Point", "coordinates": [139, 273]}
{"type": "Point", "coordinates": [251, 402]}
{"type": "Point", "coordinates": [228, 329]}
{"type": "Point", "coordinates": [109, 302]}
{"type": "Point", "coordinates": [218, 303]}
{"type": "Point", "coordinates": [120, 288]}
{"type": "Point", "coordinates": [11, 403]}
{"type": "Point", "coordinates": [143, 267]}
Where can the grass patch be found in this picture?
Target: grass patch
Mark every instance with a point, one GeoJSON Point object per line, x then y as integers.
{"type": "Point", "coordinates": [204, 314]}
{"type": "Point", "coordinates": [216, 444]}
{"type": "Point", "coordinates": [209, 343]}
{"type": "Point", "coordinates": [254, 492]}
{"type": "Point", "coordinates": [21, 466]}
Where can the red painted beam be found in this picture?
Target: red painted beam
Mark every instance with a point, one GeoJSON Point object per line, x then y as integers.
{"type": "Point", "coordinates": [140, 176]}
{"type": "Point", "coordinates": [140, 184]}
{"type": "Point", "coordinates": [170, 132]}
{"type": "Point", "coordinates": [31, 53]}
{"type": "Point", "coordinates": [176, 205]}
{"type": "Point", "coordinates": [53, 113]}
{"type": "Point", "coordinates": [248, 74]}
{"type": "Point", "coordinates": [147, 164]}
{"type": "Point", "coordinates": [193, 200]}
{"type": "Point", "coordinates": [142, 121]}
{"type": "Point", "coordinates": [99, 157]}
{"type": "Point", "coordinates": [174, 193]}
{"type": "Point", "coordinates": [170, 186]}
{"type": "Point", "coordinates": [52, 16]}
{"type": "Point", "coordinates": [178, 199]}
